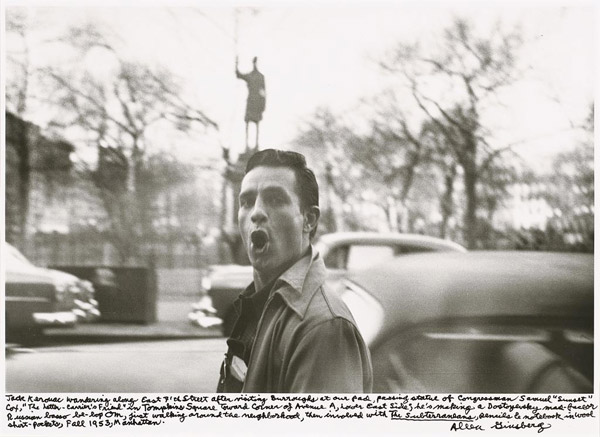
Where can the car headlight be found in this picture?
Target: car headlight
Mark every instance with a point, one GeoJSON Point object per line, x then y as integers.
{"type": "Point", "coordinates": [60, 291]}
{"type": "Point", "coordinates": [87, 286]}
{"type": "Point", "coordinates": [61, 287]}
{"type": "Point", "coordinates": [65, 290]}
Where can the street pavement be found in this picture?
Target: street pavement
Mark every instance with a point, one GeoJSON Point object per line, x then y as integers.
{"type": "Point", "coordinates": [109, 365]}
{"type": "Point", "coordinates": [168, 356]}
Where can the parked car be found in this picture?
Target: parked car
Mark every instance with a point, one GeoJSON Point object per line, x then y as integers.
{"type": "Point", "coordinates": [36, 297]}
{"type": "Point", "coordinates": [341, 251]}
{"type": "Point", "coordinates": [85, 306]}
{"type": "Point", "coordinates": [478, 322]}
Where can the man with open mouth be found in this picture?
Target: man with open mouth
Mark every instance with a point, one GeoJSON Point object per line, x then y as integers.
{"type": "Point", "coordinates": [292, 335]}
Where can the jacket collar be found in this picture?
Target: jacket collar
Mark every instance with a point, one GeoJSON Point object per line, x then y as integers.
{"type": "Point", "coordinates": [299, 283]}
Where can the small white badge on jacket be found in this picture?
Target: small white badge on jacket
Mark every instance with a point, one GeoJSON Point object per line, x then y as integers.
{"type": "Point", "coordinates": [238, 368]}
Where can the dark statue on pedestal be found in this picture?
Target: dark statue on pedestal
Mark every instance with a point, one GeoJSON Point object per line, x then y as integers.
{"type": "Point", "coordinates": [255, 104]}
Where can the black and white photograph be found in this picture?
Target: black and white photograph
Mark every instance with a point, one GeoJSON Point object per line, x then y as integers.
{"type": "Point", "coordinates": [388, 201]}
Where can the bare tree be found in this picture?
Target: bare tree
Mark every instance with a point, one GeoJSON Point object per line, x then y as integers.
{"type": "Point", "coordinates": [394, 159]}
{"type": "Point", "coordinates": [326, 140]}
{"type": "Point", "coordinates": [115, 114]}
{"type": "Point", "coordinates": [468, 72]}
{"type": "Point", "coordinates": [389, 161]}
{"type": "Point", "coordinates": [570, 187]}
{"type": "Point", "coordinates": [17, 88]}
{"type": "Point", "coordinates": [441, 158]}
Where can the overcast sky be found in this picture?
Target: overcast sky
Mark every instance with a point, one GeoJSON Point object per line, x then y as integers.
{"type": "Point", "coordinates": [324, 56]}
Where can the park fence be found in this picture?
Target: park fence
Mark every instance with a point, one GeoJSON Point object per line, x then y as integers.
{"type": "Point", "coordinates": [165, 251]}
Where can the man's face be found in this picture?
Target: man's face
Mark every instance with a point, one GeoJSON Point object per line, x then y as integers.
{"type": "Point", "coordinates": [271, 221]}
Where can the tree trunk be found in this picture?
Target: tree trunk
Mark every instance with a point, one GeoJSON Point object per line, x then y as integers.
{"type": "Point", "coordinates": [392, 214]}
{"type": "Point", "coordinates": [336, 220]}
{"type": "Point", "coordinates": [24, 183]}
{"type": "Point", "coordinates": [447, 203]}
{"type": "Point", "coordinates": [470, 218]}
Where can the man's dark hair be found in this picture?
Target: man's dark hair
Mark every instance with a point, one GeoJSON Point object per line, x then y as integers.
{"type": "Point", "coordinates": [306, 182]}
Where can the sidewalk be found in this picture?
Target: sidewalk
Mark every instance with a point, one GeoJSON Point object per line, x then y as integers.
{"type": "Point", "coordinates": [172, 323]}
{"type": "Point", "coordinates": [150, 331]}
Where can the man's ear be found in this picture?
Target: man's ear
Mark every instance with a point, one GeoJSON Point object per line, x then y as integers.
{"type": "Point", "coordinates": [311, 218]}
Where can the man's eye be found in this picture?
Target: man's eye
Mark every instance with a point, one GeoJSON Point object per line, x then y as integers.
{"type": "Point", "coordinates": [275, 199]}
{"type": "Point", "coordinates": [244, 202]}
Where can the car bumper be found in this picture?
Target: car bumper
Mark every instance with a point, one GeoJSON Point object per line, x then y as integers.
{"type": "Point", "coordinates": [60, 318]}
{"type": "Point", "coordinates": [86, 311]}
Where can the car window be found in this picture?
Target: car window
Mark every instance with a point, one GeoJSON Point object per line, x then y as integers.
{"type": "Point", "coordinates": [336, 258]}
{"type": "Point", "coordinates": [405, 248]}
{"type": "Point", "coordinates": [484, 359]}
{"type": "Point", "coordinates": [362, 256]}
{"type": "Point", "coordinates": [365, 256]}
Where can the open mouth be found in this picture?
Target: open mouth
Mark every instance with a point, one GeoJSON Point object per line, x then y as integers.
{"type": "Point", "coordinates": [259, 240]}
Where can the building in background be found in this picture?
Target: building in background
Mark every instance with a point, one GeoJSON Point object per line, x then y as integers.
{"type": "Point", "coordinates": [38, 181]}
{"type": "Point", "coordinates": [56, 216]}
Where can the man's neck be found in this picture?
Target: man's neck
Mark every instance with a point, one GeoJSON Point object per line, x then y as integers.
{"type": "Point", "coordinates": [262, 279]}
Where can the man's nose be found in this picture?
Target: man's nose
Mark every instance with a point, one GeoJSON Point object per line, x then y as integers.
{"type": "Point", "coordinates": [258, 214]}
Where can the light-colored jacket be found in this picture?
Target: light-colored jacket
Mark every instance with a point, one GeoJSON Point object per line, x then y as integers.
{"type": "Point", "coordinates": [307, 340]}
